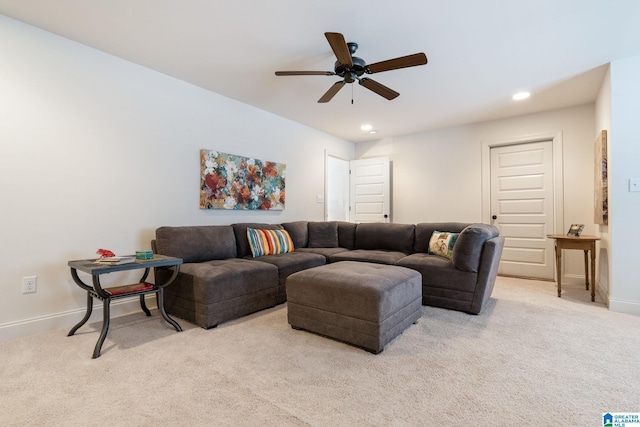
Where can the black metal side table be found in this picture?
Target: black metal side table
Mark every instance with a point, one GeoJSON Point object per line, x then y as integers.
{"type": "Point", "coordinates": [137, 289]}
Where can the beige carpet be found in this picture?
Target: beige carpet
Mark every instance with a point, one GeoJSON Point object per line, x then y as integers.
{"type": "Point", "coordinates": [529, 359]}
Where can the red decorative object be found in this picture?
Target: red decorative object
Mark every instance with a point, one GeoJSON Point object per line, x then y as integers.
{"type": "Point", "coordinates": [105, 253]}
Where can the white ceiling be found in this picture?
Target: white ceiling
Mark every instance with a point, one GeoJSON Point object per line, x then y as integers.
{"type": "Point", "coordinates": [479, 52]}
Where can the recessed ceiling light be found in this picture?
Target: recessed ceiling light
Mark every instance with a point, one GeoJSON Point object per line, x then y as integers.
{"type": "Point", "coordinates": [366, 127]}
{"type": "Point", "coordinates": [521, 95]}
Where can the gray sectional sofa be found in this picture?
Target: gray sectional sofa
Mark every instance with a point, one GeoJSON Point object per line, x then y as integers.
{"type": "Point", "coordinates": [220, 279]}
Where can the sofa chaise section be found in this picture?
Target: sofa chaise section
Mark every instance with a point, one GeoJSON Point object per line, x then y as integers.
{"type": "Point", "coordinates": [212, 292]}
{"type": "Point", "coordinates": [213, 285]}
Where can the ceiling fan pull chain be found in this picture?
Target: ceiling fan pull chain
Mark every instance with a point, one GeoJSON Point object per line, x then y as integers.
{"type": "Point", "coordinates": [351, 94]}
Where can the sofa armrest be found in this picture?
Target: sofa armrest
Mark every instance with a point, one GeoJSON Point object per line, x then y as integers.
{"type": "Point", "coordinates": [487, 272]}
{"type": "Point", "coordinates": [470, 244]}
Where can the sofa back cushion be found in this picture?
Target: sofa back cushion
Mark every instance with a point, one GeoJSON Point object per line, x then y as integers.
{"type": "Point", "coordinates": [323, 234]}
{"type": "Point", "coordinates": [468, 247]}
{"type": "Point", "coordinates": [347, 234]}
{"type": "Point", "coordinates": [425, 230]}
{"type": "Point", "coordinates": [385, 236]}
{"type": "Point", "coordinates": [299, 232]}
{"type": "Point", "coordinates": [240, 231]}
{"type": "Point", "coordinates": [196, 243]}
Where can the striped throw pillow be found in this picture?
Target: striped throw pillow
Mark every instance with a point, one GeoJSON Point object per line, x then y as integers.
{"type": "Point", "coordinates": [269, 242]}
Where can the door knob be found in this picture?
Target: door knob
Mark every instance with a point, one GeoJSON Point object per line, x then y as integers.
{"type": "Point", "coordinates": [494, 217]}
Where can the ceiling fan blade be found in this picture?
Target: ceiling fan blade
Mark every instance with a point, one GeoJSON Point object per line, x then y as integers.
{"type": "Point", "coordinates": [340, 48]}
{"type": "Point", "coordinates": [396, 63]}
{"type": "Point", "coordinates": [331, 92]}
{"type": "Point", "coordinates": [378, 88]}
{"type": "Point", "coordinates": [305, 73]}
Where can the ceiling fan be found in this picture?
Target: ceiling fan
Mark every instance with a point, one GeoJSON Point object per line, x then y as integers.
{"type": "Point", "coordinates": [351, 68]}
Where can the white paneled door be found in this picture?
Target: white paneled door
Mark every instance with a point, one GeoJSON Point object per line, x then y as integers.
{"type": "Point", "coordinates": [337, 185]}
{"type": "Point", "coordinates": [370, 190]}
{"type": "Point", "coordinates": [522, 207]}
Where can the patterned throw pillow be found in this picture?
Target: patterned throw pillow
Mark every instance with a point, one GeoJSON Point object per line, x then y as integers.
{"type": "Point", "coordinates": [269, 242]}
{"type": "Point", "coordinates": [441, 243]}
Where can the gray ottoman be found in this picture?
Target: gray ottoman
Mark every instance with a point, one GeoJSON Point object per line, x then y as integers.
{"type": "Point", "coordinates": [360, 303]}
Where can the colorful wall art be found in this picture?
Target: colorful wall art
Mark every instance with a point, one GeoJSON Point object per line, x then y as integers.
{"type": "Point", "coordinates": [601, 182]}
{"type": "Point", "coordinates": [228, 181]}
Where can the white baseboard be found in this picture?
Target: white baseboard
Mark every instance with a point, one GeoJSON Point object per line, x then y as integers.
{"type": "Point", "coordinates": [574, 279]}
{"type": "Point", "coordinates": [624, 306]}
{"type": "Point", "coordinates": [67, 320]}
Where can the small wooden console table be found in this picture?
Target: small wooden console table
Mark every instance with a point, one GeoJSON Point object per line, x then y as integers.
{"type": "Point", "coordinates": [587, 244]}
{"type": "Point", "coordinates": [138, 289]}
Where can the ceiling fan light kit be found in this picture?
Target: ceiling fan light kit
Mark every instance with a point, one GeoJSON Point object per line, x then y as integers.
{"type": "Point", "coordinates": [352, 68]}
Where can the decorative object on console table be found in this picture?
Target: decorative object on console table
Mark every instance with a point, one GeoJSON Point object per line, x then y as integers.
{"type": "Point", "coordinates": [105, 253]}
{"type": "Point", "coordinates": [108, 257]}
{"type": "Point", "coordinates": [144, 254]}
{"type": "Point", "coordinates": [601, 197]}
{"type": "Point", "coordinates": [228, 181]}
{"type": "Point", "coordinates": [575, 230]}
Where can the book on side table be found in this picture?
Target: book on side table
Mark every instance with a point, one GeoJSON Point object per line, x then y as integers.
{"type": "Point", "coordinates": [116, 260]}
{"type": "Point", "coordinates": [127, 289]}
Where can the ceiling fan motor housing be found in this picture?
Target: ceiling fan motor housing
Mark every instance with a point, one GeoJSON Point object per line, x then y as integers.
{"type": "Point", "coordinates": [358, 68]}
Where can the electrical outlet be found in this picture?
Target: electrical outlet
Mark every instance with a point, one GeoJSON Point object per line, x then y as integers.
{"type": "Point", "coordinates": [29, 284]}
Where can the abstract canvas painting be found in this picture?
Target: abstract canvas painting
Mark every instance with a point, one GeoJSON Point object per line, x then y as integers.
{"type": "Point", "coordinates": [601, 183]}
{"type": "Point", "coordinates": [228, 181]}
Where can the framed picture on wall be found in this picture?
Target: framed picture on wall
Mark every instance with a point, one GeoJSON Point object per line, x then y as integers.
{"type": "Point", "coordinates": [575, 230]}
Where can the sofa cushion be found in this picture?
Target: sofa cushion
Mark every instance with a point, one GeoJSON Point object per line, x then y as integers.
{"type": "Point", "coordinates": [466, 253]}
{"type": "Point", "coordinates": [347, 234]}
{"type": "Point", "coordinates": [385, 236]}
{"type": "Point", "coordinates": [196, 243]}
{"type": "Point", "coordinates": [240, 230]}
{"type": "Point", "coordinates": [425, 230]}
{"type": "Point", "coordinates": [269, 242]}
{"type": "Point", "coordinates": [288, 264]}
{"type": "Point", "coordinates": [209, 293]}
{"type": "Point", "coordinates": [323, 234]}
{"type": "Point", "coordinates": [299, 232]}
{"type": "Point", "coordinates": [326, 252]}
{"type": "Point", "coordinates": [368, 255]}
{"type": "Point", "coordinates": [439, 272]}
{"type": "Point", "coordinates": [442, 243]}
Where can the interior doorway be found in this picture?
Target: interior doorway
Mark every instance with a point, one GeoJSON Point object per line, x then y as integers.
{"type": "Point", "coordinates": [337, 189]}
{"type": "Point", "coordinates": [370, 194]}
{"type": "Point", "coordinates": [357, 190]}
{"type": "Point", "coordinates": [522, 196]}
